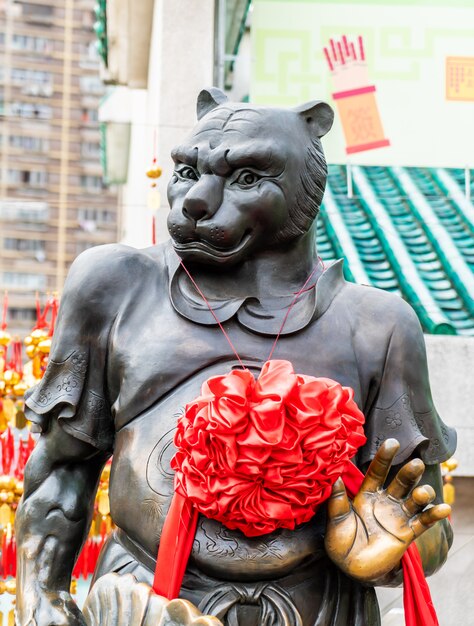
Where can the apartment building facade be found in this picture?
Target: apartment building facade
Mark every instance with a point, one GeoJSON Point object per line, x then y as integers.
{"type": "Point", "coordinates": [53, 201]}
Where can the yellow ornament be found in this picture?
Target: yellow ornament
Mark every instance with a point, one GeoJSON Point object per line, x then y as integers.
{"type": "Point", "coordinates": [37, 362]}
{"type": "Point", "coordinates": [38, 335]}
{"type": "Point", "coordinates": [103, 505]}
{"type": "Point", "coordinates": [9, 412]}
{"type": "Point", "coordinates": [11, 377]}
{"type": "Point", "coordinates": [5, 338]}
{"type": "Point", "coordinates": [451, 464]}
{"type": "Point", "coordinates": [28, 340]}
{"type": "Point", "coordinates": [154, 172]}
{"type": "Point", "coordinates": [20, 388]}
{"type": "Point", "coordinates": [45, 346]}
{"type": "Point", "coordinates": [5, 515]}
{"type": "Point", "coordinates": [10, 587]}
{"type": "Point", "coordinates": [31, 351]}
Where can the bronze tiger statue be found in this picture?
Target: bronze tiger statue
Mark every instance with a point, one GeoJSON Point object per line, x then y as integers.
{"type": "Point", "coordinates": [133, 344]}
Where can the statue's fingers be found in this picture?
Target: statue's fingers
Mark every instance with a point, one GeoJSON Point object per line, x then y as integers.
{"type": "Point", "coordinates": [425, 520]}
{"type": "Point", "coordinates": [421, 497]}
{"type": "Point", "coordinates": [406, 479]}
{"type": "Point", "coordinates": [380, 466]}
{"type": "Point", "coordinates": [339, 506]}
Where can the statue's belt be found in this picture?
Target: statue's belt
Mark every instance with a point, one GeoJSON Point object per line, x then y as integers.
{"type": "Point", "coordinates": [194, 577]}
{"type": "Point", "coordinates": [222, 598]}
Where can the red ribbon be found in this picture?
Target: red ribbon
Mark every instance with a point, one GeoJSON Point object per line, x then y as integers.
{"type": "Point", "coordinates": [180, 528]}
{"type": "Point", "coordinates": [243, 442]}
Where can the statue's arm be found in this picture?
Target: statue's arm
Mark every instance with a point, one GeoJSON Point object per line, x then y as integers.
{"type": "Point", "coordinates": [434, 544]}
{"type": "Point", "coordinates": [401, 500]}
{"type": "Point", "coordinates": [52, 522]}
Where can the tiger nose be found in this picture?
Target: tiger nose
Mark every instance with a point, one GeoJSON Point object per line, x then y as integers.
{"type": "Point", "coordinates": [204, 198]}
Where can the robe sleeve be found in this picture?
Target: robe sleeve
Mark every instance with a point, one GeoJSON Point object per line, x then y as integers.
{"type": "Point", "coordinates": [403, 407]}
{"type": "Point", "coordinates": [73, 389]}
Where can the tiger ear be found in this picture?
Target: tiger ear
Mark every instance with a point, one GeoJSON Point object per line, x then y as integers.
{"type": "Point", "coordinates": [209, 99]}
{"type": "Point", "coordinates": [318, 115]}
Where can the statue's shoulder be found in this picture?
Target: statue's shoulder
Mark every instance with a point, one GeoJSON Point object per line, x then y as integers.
{"type": "Point", "coordinates": [105, 276]}
{"type": "Point", "coordinates": [375, 309]}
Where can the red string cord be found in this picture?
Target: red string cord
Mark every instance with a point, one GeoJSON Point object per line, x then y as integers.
{"type": "Point", "coordinates": [298, 294]}
{"type": "Point", "coordinates": [289, 310]}
{"type": "Point", "coordinates": [196, 286]}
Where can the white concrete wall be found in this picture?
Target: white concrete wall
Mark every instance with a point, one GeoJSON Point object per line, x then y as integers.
{"type": "Point", "coordinates": [451, 368]}
{"type": "Point", "coordinates": [135, 222]}
{"type": "Point", "coordinates": [181, 63]}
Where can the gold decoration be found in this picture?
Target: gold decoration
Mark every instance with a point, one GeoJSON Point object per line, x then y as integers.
{"type": "Point", "coordinates": [449, 491]}
{"type": "Point", "coordinates": [31, 351]}
{"type": "Point", "coordinates": [45, 346]}
{"type": "Point", "coordinates": [5, 338]}
{"type": "Point", "coordinates": [103, 505]}
{"type": "Point", "coordinates": [20, 388]}
{"type": "Point", "coordinates": [5, 515]}
{"type": "Point", "coordinates": [10, 587]}
{"type": "Point", "coordinates": [11, 377]}
{"type": "Point", "coordinates": [154, 172]}
{"type": "Point", "coordinates": [9, 411]}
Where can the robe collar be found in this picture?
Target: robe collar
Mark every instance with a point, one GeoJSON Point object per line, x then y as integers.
{"type": "Point", "coordinates": [261, 316]}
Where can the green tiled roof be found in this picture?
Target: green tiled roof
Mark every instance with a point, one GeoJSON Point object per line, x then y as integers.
{"type": "Point", "coordinates": [409, 231]}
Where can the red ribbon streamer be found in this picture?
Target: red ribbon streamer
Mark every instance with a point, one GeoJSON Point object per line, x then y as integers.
{"type": "Point", "coordinates": [180, 528]}
{"type": "Point", "coordinates": [3, 325]}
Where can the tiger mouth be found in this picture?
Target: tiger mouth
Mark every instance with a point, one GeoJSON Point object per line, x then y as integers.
{"type": "Point", "coordinates": [207, 248]}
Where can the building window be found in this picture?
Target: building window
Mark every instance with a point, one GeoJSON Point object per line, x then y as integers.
{"type": "Point", "coordinates": [36, 12]}
{"type": "Point", "coordinates": [89, 55]}
{"type": "Point", "coordinates": [24, 211]}
{"type": "Point", "coordinates": [23, 280]}
{"type": "Point", "coordinates": [24, 245]}
{"type": "Point", "coordinates": [31, 111]}
{"type": "Point", "coordinates": [32, 44]}
{"type": "Point", "coordinates": [32, 178]}
{"type": "Point", "coordinates": [90, 149]}
{"type": "Point", "coordinates": [92, 183]}
{"type": "Point", "coordinates": [34, 82]}
{"type": "Point", "coordinates": [89, 116]}
{"type": "Point", "coordinates": [32, 144]}
{"type": "Point", "coordinates": [20, 76]}
{"type": "Point", "coordinates": [91, 84]}
{"type": "Point", "coordinates": [22, 315]}
{"type": "Point", "coordinates": [99, 216]}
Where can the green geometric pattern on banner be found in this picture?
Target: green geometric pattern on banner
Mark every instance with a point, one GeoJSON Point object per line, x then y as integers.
{"type": "Point", "coordinates": [304, 79]}
{"type": "Point", "coordinates": [394, 43]}
{"type": "Point", "coordinates": [406, 45]}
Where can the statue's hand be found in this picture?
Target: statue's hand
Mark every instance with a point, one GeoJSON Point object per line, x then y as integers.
{"type": "Point", "coordinates": [366, 538]}
{"type": "Point", "coordinates": [121, 601]}
{"type": "Point", "coordinates": [40, 608]}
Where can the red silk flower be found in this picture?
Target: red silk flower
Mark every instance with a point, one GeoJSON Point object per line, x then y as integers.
{"type": "Point", "coordinates": [262, 454]}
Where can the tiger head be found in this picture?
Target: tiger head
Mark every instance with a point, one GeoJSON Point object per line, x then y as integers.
{"type": "Point", "coordinates": [247, 178]}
